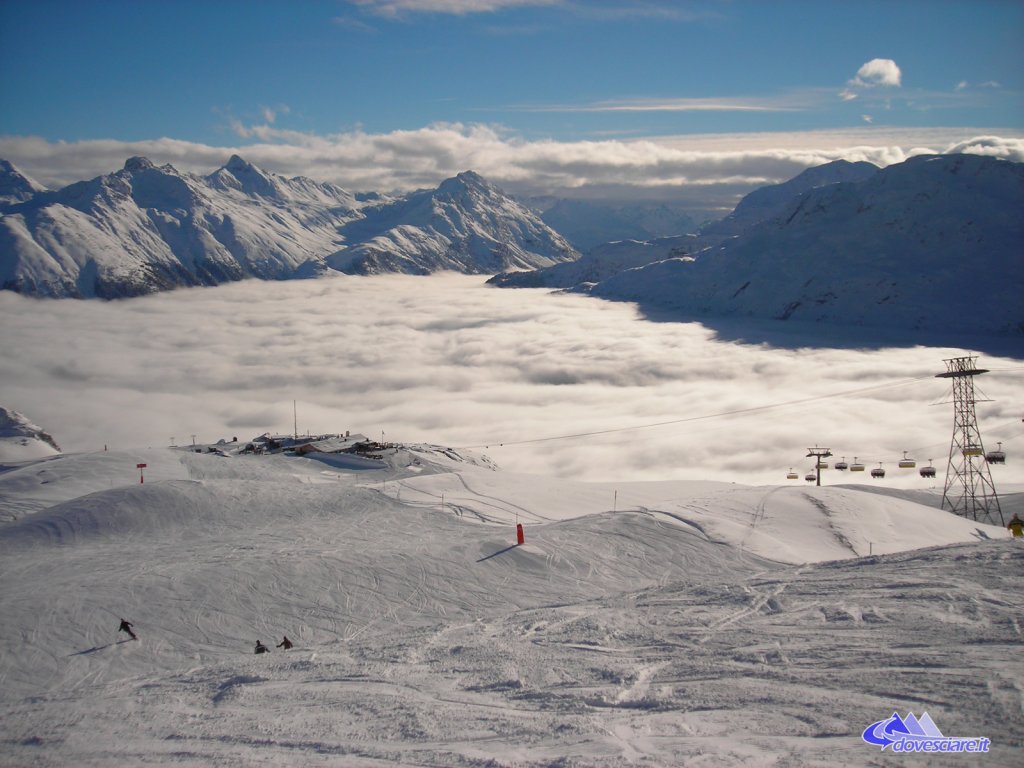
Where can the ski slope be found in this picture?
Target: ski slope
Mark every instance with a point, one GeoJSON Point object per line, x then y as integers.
{"type": "Point", "coordinates": [640, 623]}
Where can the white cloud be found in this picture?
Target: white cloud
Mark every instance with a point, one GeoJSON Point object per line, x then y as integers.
{"type": "Point", "coordinates": [398, 8]}
{"type": "Point", "coordinates": [878, 72]}
{"type": "Point", "coordinates": [872, 74]}
{"type": "Point", "coordinates": [452, 361]}
{"type": "Point", "coordinates": [672, 105]}
{"type": "Point", "coordinates": [698, 169]}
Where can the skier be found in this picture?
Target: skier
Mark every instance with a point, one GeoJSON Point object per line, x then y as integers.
{"type": "Point", "coordinates": [1016, 526]}
{"type": "Point", "coordinates": [127, 627]}
{"type": "Point", "coordinates": [261, 648]}
{"type": "Point", "coordinates": [286, 643]}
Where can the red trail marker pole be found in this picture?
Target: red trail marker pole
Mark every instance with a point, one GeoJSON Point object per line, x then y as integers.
{"type": "Point", "coordinates": [141, 467]}
{"type": "Point", "coordinates": [520, 538]}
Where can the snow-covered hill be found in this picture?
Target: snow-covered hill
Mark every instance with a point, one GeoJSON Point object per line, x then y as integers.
{"type": "Point", "coordinates": [933, 243]}
{"type": "Point", "coordinates": [662, 623]}
{"type": "Point", "coordinates": [146, 228]}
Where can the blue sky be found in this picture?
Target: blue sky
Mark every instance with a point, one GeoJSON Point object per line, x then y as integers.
{"type": "Point", "coordinates": [422, 88]}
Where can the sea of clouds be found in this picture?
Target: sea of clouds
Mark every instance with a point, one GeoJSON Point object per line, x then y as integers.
{"type": "Point", "coordinates": [449, 360]}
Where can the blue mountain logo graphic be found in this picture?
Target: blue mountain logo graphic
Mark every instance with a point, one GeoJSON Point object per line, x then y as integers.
{"type": "Point", "coordinates": [913, 734]}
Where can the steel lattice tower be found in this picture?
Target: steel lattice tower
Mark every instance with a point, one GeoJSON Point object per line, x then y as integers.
{"type": "Point", "coordinates": [969, 489]}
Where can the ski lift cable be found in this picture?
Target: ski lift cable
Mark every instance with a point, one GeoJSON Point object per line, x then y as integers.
{"type": "Point", "coordinates": [704, 417]}
{"type": "Point", "coordinates": [939, 446]}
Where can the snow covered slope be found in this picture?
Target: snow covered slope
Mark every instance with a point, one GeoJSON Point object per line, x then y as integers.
{"type": "Point", "coordinates": [21, 440]}
{"type": "Point", "coordinates": [465, 225]}
{"type": "Point", "coordinates": [933, 243]}
{"type": "Point", "coordinates": [637, 628]}
{"type": "Point", "coordinates": [15, 186]}
{"type": "Point", "coordinates": [767, 202]}
{"type": "Point", "coordinates": [145, 229]}
{"type": "Point", "coordinates": [601, 263]}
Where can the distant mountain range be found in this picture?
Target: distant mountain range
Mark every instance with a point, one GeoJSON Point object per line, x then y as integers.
{"type": "Point", "coordinates": [610, 258]}
{"type": "Point", "coordinates": [934, 243]}
{"type": "Point", "coordinates": [145, 228]}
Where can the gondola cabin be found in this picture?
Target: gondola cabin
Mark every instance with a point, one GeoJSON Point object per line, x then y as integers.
{"type": "Point", "coordinates": [996, 457]}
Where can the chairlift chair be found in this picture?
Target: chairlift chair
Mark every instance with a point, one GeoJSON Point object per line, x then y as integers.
{"type": "Point", "coordinates": [973, 450]}
{"type": "Point", "coordinates": [791, 475]}
{"type": "Point", "coordinates": [996, 457]}
{"type": "Point", "coordinates": [928, 471]}
{"type": "Point", "coordinates": [878, 471]}
{"type": "Point", "coordinates": [810, 477]}
{"type": "Point", "coordinates": [906, 463]}
{"type": "Point", "coordinates": [855, 467]}
{"type": "Point", "coordinates": [842, 465]}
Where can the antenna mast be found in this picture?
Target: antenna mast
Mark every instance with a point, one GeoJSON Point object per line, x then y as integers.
{"type": "Point", "coordinates": [969, 489]}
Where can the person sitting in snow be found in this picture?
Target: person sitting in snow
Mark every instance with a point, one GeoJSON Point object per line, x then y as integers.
{"type": "Point", "coordinates": [286, 643]}
{"type": "Point", "coordinates": [1016, 526]}
{"type": "Point", "coordinates": [261, 648]}
{"type": "Point", "coordinates": [127, 627]}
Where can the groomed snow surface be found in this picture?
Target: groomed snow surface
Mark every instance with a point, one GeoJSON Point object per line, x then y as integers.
{"type": "Point", "coordinates": [650, 624]}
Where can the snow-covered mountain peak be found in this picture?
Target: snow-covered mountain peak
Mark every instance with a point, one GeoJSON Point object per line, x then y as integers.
{"type": "Point", "coordinates": [240, 175]}
{"type": "Point", "coordinates": [146, 228]}
{"type": "Point", "coordinates": [467, 180]}
{"type": "Point", "coordinates": [15, 186]}
{"type": "Point", "coordinates": [932, 244]}
{"type": "Point", "coordinates": [21, 440]}
{"type": "Point", "coordinates": [136, 164]}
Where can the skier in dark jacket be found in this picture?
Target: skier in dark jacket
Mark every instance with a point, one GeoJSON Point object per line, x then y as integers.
{"type": "Point", "coordinates": [286, 643]}
{"type": "Point", "coordinates": [127, 627]}
{"type": "Point", "coordinates": [1016, 527]}
{"type": "Point", "coordinates": [261, 648]}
